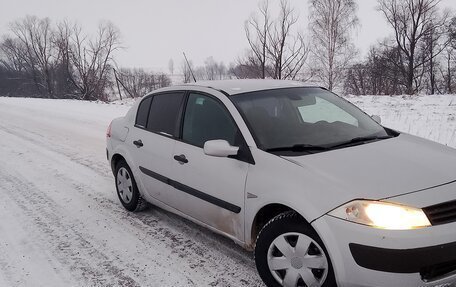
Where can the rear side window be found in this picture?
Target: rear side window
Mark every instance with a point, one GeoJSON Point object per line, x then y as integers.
{"type": "Point", "coordinates": [143, 112]}
{"type": "Point", "coordinates": [164, 114]}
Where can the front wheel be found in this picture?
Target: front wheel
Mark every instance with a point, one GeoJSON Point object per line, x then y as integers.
{"type": "Point", "coordinates": [127, 190]}
{"type": "Point", "coordinates": [289, 253]}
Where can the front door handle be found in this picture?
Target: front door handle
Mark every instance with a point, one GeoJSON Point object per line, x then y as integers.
{"type": "Point", "coordinates": [181, 159]}
{"type": "Point", "coordinates": [138, 143]}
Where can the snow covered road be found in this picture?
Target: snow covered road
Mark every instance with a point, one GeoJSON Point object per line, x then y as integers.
{"type": "Point", "coordinates": [61, 223]}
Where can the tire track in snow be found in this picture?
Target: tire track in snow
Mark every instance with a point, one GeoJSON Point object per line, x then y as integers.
{"type": "Point", "coordinates": [32, 136]}
{"type": "Point", "coordinates": [70, 248]}
{"type": "Point", "coordinates": [83, 237]}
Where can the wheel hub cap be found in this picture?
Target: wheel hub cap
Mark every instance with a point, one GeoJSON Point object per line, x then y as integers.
{"type": "Point", "coordinates": [124, 185]}
{"type": "Point", "coordinates": [295, 259]}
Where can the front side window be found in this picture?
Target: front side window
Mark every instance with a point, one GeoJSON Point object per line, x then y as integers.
{"type": "Point", "coordinates": [164, 114]}
{"type": "Point", "coordinates": [305, 117]}
{"type": "Point", "coordinates": [206, 119]}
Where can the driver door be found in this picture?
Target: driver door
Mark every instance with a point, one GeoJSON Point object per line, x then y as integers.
{"type": "Point", "coordinates": [210, 189]}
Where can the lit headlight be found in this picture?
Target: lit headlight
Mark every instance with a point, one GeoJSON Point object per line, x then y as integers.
{"type": "Point", "coordinates": [382, 215]}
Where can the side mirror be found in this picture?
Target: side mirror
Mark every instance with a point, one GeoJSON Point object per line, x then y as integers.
{"type": "Point", "coordinates": [376, 118]}
{"type": "Point", "coordinates": [220, 148]}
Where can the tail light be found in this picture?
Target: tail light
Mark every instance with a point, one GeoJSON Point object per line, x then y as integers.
{"type": "Point", "coordinates": [108, 132]}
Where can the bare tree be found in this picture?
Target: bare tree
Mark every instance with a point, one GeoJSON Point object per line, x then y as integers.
{"type": "Point", "coordinates": [32, 49]}
{"type": "Point", "coordinates": [452, 32]}
{"type": "Point", "coordinates": [415, 23]}
{"type": "Point", "coordinates": [431, 54]}
{"type": "Point", "coordinates": [171, 66]}
{"type": "Point", "coordinates": [247, 67]}
{"type": "Point", "coordinates": [331, 25]}
{"type": "Point", "coordinates": [213, 70]}
{"type": "Point", "coordinates": [221, 71]}
{"type": "Point", "coordinates": [15, 78]}
{"type": "Point", "coordinates": [200, 73]}
{"type": "Point", "coordinates": [275, 49]}
{"type": "Point", "coordinates": [256, 31]}
{"type": "Point", "coordinates": [377, 75]}
{"type": "Point", "coordinates": [137, 82]}
{"type": "Point", "coordinates": [34, 53]}
{"type": "Point", "coordinates": [92, 59]}
{"type": "Point", "coordinates": [287, 52]}
{"type": "Point", "coordinates": [448, 72]}
{"type": "Point", "coordinates": [430, 45]}
{"type": "Point", "coordinates": [186, 71]}
{"type": "Point", "coordinates": [58, 61]}
{"type": "Point", "coordinates": [209, 71]}
{"type": "Point", "coordinates": [63, 69]}
{"type": "Point", "coordinates": [14, 54]}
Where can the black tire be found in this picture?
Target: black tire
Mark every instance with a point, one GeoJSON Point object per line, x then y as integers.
{"type": "Point", "coordinates": [285, 223]}
{"type": "Point", "coordinates": [136, 202]}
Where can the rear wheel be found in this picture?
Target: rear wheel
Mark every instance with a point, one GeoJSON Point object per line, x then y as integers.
{"type": "Point", "coordinates": [289, 253]}
{"type": "Point", "coordinates": [127, 189]}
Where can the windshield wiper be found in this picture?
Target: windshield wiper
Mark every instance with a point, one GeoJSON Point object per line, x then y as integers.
{"type": "Point", "coordinates": [299, 148]}
{"type": "Point", "coordinates": [361, 140]}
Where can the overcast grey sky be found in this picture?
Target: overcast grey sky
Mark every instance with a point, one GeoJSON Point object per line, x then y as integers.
{"type": "Point", "coordinates": [153, 31]}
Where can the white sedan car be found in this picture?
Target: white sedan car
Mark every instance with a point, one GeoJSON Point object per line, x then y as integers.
{"type": "Point", "coordinates": [323, 194]}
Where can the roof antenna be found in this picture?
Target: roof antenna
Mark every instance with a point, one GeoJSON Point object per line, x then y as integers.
{"type": "Point", "coordinates": [190, 68]}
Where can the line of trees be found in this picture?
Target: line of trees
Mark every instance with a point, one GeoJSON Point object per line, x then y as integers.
{"type": "Point", "coordinates": [211, 70]}
{"type": "Point", "coordinates": [419, 58]}
{"type": "Point", "coordinates": [38, 58]}
{"type": "Point", "coordinates": [279, 49]}
{"type": "Point", "coordinates": [136, 82]}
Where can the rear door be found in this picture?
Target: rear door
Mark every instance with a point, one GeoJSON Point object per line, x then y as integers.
{"type": "Point", "coordinates": [210, 189]}
{"type": "Point", "coordinates": [156, 129]}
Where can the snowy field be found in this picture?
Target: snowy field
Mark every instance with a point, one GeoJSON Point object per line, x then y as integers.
{"type": "Point", "coordinates": [431, 117]}
{"type": "Point", "coordinates": [61, 223]}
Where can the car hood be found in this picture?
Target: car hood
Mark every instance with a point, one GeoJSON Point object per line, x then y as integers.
{"type": "Point", "coordinates": [383, 169]}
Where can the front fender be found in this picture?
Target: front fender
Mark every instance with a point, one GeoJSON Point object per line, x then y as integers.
{"type": "Point", "coordinates": [274, 180]}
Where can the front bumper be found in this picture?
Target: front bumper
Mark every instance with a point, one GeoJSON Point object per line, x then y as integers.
{"type": "Point", "coordinates": [365, 256]}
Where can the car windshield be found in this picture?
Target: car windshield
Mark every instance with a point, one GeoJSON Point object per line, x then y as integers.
{"type": "Point", "coordinates": [305, 119]}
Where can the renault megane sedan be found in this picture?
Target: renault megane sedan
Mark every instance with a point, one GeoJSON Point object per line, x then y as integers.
{"type": "Point", "coordinates": [321, 192]}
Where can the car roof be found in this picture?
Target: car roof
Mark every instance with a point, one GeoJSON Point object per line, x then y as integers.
{"type": "Point", "coordinates": [234, 87]}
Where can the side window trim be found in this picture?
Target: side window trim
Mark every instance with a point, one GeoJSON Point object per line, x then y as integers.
{"type": "Point", "coordinates": [181, 118]}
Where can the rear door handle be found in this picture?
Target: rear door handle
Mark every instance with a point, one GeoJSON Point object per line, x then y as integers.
{"type": "Point", "coordinates": [181, 159]}
{"type": "Point", "coordinates": [138, 143]}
